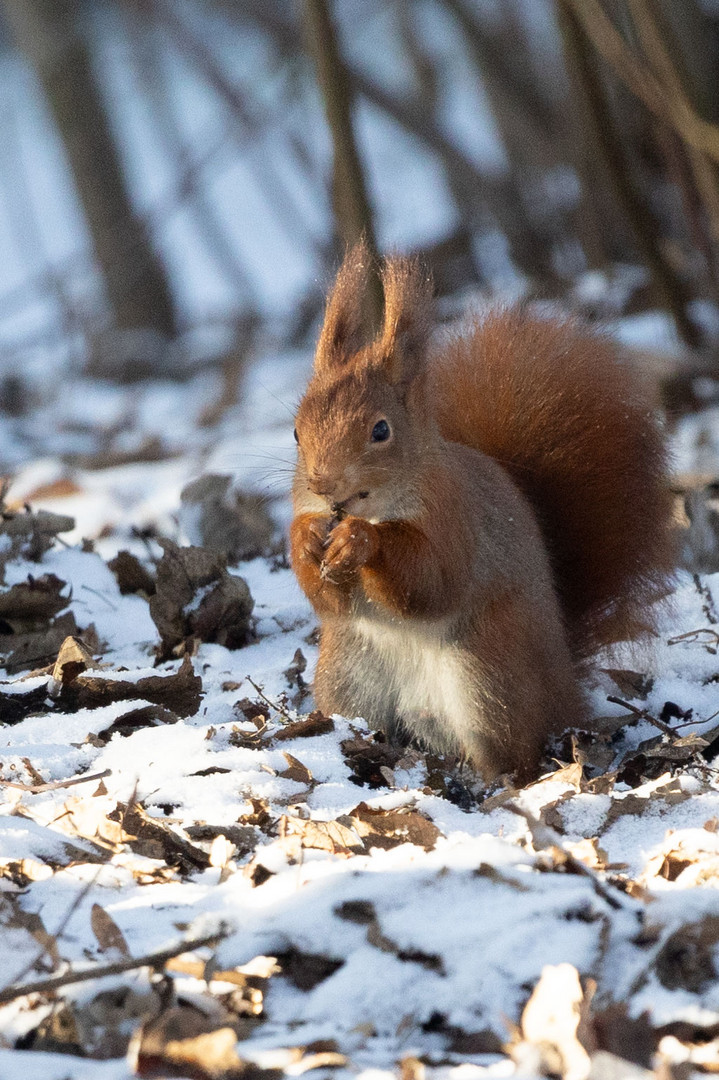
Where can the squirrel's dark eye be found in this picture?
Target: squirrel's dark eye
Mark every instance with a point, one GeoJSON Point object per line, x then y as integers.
{"type": "Point", "coordinates": [297, 438]}
{"type": "Point", "coordinates": [381, 431]}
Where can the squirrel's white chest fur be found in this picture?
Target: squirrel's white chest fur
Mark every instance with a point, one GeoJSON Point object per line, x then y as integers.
{"type": "Point", "coordinates": [423, 677]}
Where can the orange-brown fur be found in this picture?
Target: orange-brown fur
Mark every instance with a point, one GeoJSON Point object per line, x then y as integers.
{"type": "Point", "coordinates": [517, 516]}
{"type": "Point", "coordinates": [569, 419]}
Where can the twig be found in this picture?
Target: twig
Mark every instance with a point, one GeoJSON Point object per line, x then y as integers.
{"type": "Point", "coordinates": [699, 720]}
{"type": "Point", "coordinates": [63, 924]}
{"type": "Point", "coordinates": [538, 118]}
{"type": "Point", "coordinates": [353, 211]}
{"type": "Point", "coordinates": [606, 140]}
{"type": "Point", "coordinates": [642, 714]}
{"type": "Point", "coordinates": [544, 837]}
{"type": "Point", "coordinates": [55, 785]}
{"type": "Point", "coordinates": [481, 190]}
{"type": "Point", "coordinates": [693, 635]}
{"type": "Point", "coordinates": [100, 971]}
{"type": "Point", "coordinates": [680, 114]}
{"type": "Point", "coordinates": [272, 704]}
{"type": "Point", "coordinates": [192, 47]}
{"type": "Point", "coordinates": [96, 592]}
{"type": "Point", "coordinates": [708, 605]}
{"type": "Point", "coordinates": [662, 58]}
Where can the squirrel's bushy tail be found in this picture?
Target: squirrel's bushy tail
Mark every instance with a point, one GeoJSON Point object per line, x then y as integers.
{"type": "Point", "coordinates": [568, 418]}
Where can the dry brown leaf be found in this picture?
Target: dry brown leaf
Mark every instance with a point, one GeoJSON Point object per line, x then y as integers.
{"type": "Point", "coordinates": [73, 658]}
{"type": "Point", "coordinates": [16, 917]}
{"type": "Point", "coordinates": [492, 873]}
{"type": "Point", "coordinates": [58, 1032]}
{"type": "Point", "coordinates": [157, 840]}
{"type": "Point", "coordinates": [257, 873]}
{"type": "Point", "coordinates": [686, 960]}
{"type": "Point", "coordinates": [242, 837]}
{"type": "Point", "coordinates": [553, 1024]}
{"type": "Point", "coordinates": [314, 724]}
{"type": "Point", "coordinates": [631, 684]}
{"type": "Point", "coordinates": [389, 828]}
{"type": "Point", "coordinates": [411, 1068]}
{"type": "Point", "coordinates": [133, 720]}
{"type": "Point", "coordinates": [180, 692]}
{"type": "Point", "coordinates": [307, 970]}
{"type": "Point", "coordinates": [184, 1041]}
{"type": "Point", "coordinates": [668, 794]}
{"type": "Point", "coordinates": [30, 534]}
{"type": "Point", "coordinates": [108, 933]}
{"type": "Point", "coordinates": [322, 1059]}
{"type": "Point", "coordinates": [34, 601]}
{"type": "Point", "coordinates": [249, 986]}
{"type": "Point", "coordinates": [668, 865]}
{"type": "Point", "coordinates": [551, 814]}
{"type": "Point", "coordinates": [325, 835]}
{"type": "Point", "coordinates": [222, 852]}
{"type": "Point", "coordinates": [62, 488]}
{"type": "Point", "coordinates": [235, 524]}
{"type": "Point", "coordinates": [197, 597]}
{"type": "Point", "coordinates": [259, 814]}
{"type": "Point", "coordinates": [65, 853]}
{"type": "Point", "coordinates": [296, 770]}
{"type": "Point", "coordinates": [628, 1038]}
{"type": "Point", "coordinates": [23, 871]}
{"type": "Point", "coordinates": [565, 774]}
{"type": "Point", "coordinates": [689, 1060]}
{"type": "Point", "coordinates": [296, 669]}
{"type": "Point", "coordinates": [588, 852]}
{"type": "Point", "coordinates": [131, 575]}
{"type": "Point", "coordinates": [107, 1019]}
{"type": "Point", "coordinates": [367, 759]}
{"type": "Point", "coordinates": [36, 648]}
{"type": "Point", "coordinates": [88, 818]}
{"type": "Point", "coordinates": [653, 757]}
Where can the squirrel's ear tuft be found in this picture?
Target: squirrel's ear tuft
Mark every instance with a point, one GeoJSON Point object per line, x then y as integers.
{"type": "Point", "coordinates": [342, 332]}
{"type": "Point", "coordinates": [407, 319]}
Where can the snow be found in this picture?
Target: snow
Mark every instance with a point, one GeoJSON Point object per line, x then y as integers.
{"type": "Point", "coordinates": [462, 931]}
{"type": "Point", "coordinates": [477, 917]}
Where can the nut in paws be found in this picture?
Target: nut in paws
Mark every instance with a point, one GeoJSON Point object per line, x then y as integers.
{"type": "Point", "coordinates": [352, 543]}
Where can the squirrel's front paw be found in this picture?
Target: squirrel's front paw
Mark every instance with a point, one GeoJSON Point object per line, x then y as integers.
{"type": "Point", "coordinates": [351, 545]}
{"type": "Point", "coordinates": [309, 537]}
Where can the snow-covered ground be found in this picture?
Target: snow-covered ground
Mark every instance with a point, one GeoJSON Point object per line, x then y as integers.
{"type": "Point", "coordinates": [365, 911]}
{"type": "Point", "coordinates": [370, 911]}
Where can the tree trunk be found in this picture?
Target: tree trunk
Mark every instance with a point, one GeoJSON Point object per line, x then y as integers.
{"type": "Point", "coordinates": [51, 36]}
{"type": "Point", "coordinates": [352, 208]}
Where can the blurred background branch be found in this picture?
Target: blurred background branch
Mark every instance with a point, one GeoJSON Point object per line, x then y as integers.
{"type": "Point", "coordinates": [175, 168]}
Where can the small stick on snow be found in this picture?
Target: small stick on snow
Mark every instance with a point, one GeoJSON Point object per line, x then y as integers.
{"type": "Point", "coordinates": [543, 836]}
{"type": "Point", "coordinates": [708, 605]}
{"type": "Point", "coordinates": [63, 925]}
{"type": "Point", "coordinates": [642, 714]}
{"type": "Point", "coordinates": [55, 785]}
{"type": "Point", "coordinates": [99, 971]}
{"type": "Point", "coordinates": [272, 704]}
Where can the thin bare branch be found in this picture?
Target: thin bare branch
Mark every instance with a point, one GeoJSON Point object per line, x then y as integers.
{"type": "Point", "coordinates": [353, 212]}
{"type": "Point", "coordinates": [56, 785]}
{"type": "Point", "coordinates": [612, 46]}
{"type": "Point", "coordinates": [603, 135]}
{"type": "Point", "coordinates": [100, 971]}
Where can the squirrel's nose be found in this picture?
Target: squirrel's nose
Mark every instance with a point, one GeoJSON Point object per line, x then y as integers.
{"type": "Point", "coordinates": [322, 484]}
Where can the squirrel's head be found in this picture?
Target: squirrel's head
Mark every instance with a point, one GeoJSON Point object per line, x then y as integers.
{"type": "Point", "coordinates": [365, 418]}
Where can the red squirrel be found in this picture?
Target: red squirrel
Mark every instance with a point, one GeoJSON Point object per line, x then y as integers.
{"type": "Point", "coordinates": [471, 523]}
